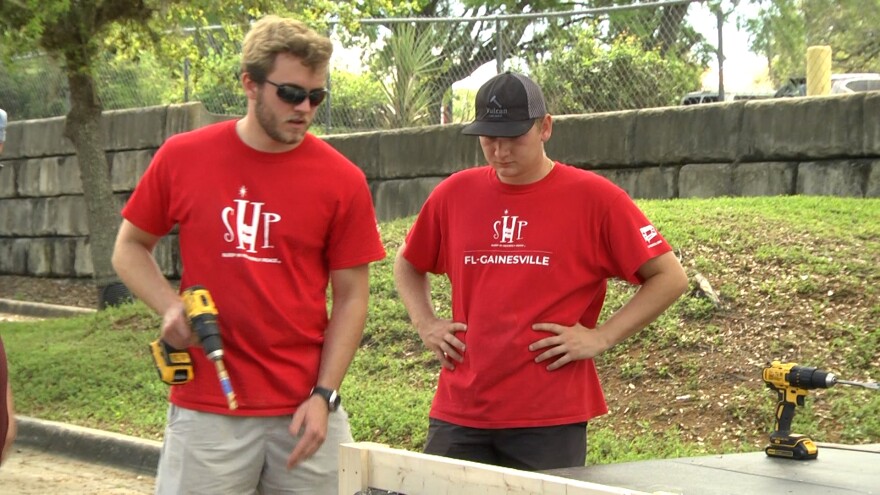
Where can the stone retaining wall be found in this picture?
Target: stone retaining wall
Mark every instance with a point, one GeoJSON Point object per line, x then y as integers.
{"type": "Point", "coordinates": [816, 146]}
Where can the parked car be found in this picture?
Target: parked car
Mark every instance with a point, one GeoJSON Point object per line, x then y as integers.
{"type": "Point", "coordinates": [855, 83]}
{"type": "Point", "coordinates": [697, 97]}
{"type": "Point", "coordinates": [840, 84]}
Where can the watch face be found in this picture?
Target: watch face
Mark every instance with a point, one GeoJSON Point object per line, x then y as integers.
{"type": "Point", "coordinates": [334, 401]}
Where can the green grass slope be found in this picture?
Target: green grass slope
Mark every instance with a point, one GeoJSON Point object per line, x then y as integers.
{"type": "Point", "coordinates": [798, 281]}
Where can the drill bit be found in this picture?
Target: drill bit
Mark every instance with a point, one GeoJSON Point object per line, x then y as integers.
{"type": "Point", "coordinates": [202, 314]}
{"type": "Point", "coordinates": [225, 384]}
{"type": "Point", "coordinates": [871, 385]}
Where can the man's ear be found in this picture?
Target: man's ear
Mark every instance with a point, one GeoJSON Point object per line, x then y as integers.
{"type": "Point", "coordinates": [250, 86]}
{"type": "Point", "coordinates": [546, 128]}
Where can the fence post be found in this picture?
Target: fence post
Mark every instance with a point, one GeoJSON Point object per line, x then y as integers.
{"type": "Point", "coordinates": [719, 17]}
{"type": "Point", "coordinates": [186, 80]}
{"type": "Point", "coordinates": [328, 104]}
{"type": "Point", "coordinates": [499, 48]}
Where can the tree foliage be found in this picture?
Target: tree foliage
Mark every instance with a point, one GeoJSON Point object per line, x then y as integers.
{"type": "Point", "coordinates": [784, 29]}
{"type": "Point", "coordinates": [493, 33]}
{"type": "Point", "coordinates": [74, 32]}
{"type": "Point", "coordinates": [82, 34]}
{"type": "Point", "coordinates": [360, 95]}
{"type": "Point", "coordinates": [408, 90]}
{"type": "Point", "coordinates": [189, 50]}
{"type": "Point", "coordinates": [19, 81]}
{"type": "Point", "coordinates": [588, 76]}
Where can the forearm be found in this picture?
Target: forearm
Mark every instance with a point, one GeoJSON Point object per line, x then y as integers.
{"type": "Point", "coordinates": [341, 341]}
{"type": "Point", "coordinates": [665, 283]}
{"type": "Point", "coordinates": [414, 290]}
{"type": "Point", "coordinates": [345, 327]}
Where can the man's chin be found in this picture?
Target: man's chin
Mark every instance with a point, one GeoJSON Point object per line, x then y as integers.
{"type": "Point", "coordinates": [290, 137]}
{"type": "Point", "coordinates": [295, 140]}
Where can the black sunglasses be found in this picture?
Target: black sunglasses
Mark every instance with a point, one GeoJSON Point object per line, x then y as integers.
{"type": "Point", "coordinates": [291, 93]}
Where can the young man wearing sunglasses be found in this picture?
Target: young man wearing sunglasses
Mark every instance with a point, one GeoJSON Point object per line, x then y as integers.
{"type": "Point", "coordinates": [267, 215]}
{"type": "Point", "coordinates": [527, 244]}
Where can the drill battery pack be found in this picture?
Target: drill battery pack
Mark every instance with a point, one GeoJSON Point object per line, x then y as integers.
{"type": "Point", "coordinates": [173, 365]}
{"type": "Point", "coordinates": [792, 446]}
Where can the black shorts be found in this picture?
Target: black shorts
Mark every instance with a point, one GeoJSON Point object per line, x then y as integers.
{"type": "Point", "coordinates": [530, 449]}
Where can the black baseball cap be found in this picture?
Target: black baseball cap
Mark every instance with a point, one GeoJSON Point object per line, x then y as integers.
{"type": "Point", "coordinates": [506, 106]}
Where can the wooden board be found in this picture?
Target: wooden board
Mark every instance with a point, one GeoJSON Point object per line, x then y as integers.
{"type": "Point", "coordinates": [364, 466]}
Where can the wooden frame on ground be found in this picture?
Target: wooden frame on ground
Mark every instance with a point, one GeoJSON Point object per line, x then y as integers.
{"type": "Point", "coordinates": [366, 465]}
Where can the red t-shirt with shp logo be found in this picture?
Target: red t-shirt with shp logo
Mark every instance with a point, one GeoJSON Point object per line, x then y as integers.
{"type": "Point", "coordinates": [520, 255]}
{"type": "Point", "coordinates": [261, 231]}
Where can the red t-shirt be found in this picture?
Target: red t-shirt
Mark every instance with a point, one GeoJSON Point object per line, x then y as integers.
{"type": "Point", "coordinates": [260, 231]}
{"type": "Point", "coordinates": [4, 408]}
{"type": "Point", "coordinates": [519, 255]}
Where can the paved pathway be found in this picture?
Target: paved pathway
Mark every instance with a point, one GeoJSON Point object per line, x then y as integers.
{"type": "Point", "coordinates": [11, 317]}
{"type": "Point", "coordinates": [30, 471]}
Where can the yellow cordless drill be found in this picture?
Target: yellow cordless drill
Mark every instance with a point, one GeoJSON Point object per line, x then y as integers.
{"type": "Point", "coordinates": [791, 383]}
{"type": "Point", "coordinates": [175, 365]}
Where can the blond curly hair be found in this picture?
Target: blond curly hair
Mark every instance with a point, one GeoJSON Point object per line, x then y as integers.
{"type": "Point", "coordinates": [272, 35]}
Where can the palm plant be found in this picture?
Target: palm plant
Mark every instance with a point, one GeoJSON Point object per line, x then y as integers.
{"type": "Point", "coordinates": [408, 86]}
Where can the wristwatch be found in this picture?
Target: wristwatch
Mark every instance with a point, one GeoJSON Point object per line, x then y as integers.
{"type": "Point", "coordinates": [331, 396]}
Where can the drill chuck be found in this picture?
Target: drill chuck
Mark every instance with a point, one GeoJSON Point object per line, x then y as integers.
{"type": "Point", "coordinates": [202, 314]}
{"type": "Point", "coordinates": [206, 327]}
{"type": "Point", "coordinates": [809, 378]}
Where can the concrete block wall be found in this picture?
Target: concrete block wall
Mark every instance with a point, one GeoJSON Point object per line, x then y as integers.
{"type": "Point", "coordinates": [816, 146]}
{"type": "Point", "coordinates": [43, 218]}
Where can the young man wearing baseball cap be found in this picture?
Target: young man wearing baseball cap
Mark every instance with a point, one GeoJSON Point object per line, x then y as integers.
{"type": "Point", "coordinates": [528, 245]}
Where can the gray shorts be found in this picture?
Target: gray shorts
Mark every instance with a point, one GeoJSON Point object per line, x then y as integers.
{"type": "Point", "coordinates": [206, 453]}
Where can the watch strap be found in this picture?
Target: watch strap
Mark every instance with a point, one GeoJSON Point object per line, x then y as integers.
{"type": "Point", "coordinates": [330, 396]}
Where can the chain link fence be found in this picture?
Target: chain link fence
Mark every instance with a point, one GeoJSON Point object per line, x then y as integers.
{"type": "Point", "coordinates": [394, 73]}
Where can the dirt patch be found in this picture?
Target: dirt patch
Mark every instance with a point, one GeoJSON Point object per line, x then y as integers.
{"type": "Point", "coordinates": [34, 472]}
{"type": "Point", "coordinates": [81, 293]}
{"type": "Point", "coordinates": [703, 383]}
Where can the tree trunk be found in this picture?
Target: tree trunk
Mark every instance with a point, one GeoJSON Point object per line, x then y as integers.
{"type": "Point", "coordinates": [83, 128]}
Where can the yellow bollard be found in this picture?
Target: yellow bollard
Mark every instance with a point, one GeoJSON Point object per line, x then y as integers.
{"type": "Point", "coordinates": [818, 70]}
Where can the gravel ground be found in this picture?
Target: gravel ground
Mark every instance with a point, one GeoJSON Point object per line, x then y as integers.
{"type": "Point", "coordinates": [33, 472]}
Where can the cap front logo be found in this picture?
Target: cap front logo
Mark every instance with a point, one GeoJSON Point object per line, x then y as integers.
{"type": "Point", "coordinates": [498, 110]}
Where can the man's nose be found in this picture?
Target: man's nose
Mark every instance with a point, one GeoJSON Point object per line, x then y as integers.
{"type": "Point", "coordinates": [502, 147]}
